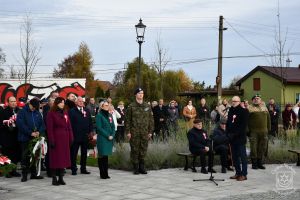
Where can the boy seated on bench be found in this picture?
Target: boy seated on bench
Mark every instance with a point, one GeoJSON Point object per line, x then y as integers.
{"type": "Point", "coordinates": [199, 144]}
{"type": "Point", "coordinates": [221, 143]}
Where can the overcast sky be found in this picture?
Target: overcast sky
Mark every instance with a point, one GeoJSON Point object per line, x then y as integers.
{"type": "Point", "coordinates": [188, 30]}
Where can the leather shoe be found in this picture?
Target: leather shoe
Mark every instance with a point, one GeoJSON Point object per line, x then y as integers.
{"type": "Point", "coordinates": [36, 177]}
{"type": "Point", "coordinates": [85, 172]}
{"type": "Point", "coordinates": [234, 177]}
{"type": "Point", "coordinates": [74, 173]}
{"type": "Point", "coordinates": [241, 178]}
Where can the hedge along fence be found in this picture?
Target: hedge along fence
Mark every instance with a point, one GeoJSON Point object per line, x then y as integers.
{"type": "Point", "coordinates": [163, 154]}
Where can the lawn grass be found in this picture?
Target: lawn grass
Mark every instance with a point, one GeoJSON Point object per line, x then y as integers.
{"type": "Point", "coordinates": [162, 155]}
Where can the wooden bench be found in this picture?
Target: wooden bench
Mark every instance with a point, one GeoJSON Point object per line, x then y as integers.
{"type": "Point", "coordinates": [186, 156]}
{"type": "Point", "coordinates": [298, 154]}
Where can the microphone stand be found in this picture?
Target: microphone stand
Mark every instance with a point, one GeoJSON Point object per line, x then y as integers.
{"type": "Point", "coordinates": [210, 164]}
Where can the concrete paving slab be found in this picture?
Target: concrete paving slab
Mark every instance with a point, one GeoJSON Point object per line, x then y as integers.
{"type": "Point", "coordinates": [157, 185]}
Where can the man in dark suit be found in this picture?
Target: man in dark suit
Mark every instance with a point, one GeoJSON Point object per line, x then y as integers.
{"type": "Point", "coordinates": [82, 126]}
{"type": "Point", "coordinates": [160, 114]}
{"type": "Point", "coordinates": [236, 129]}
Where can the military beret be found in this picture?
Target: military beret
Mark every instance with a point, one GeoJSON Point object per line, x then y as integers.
{"type": "Point", "coordinates": [138, 90]}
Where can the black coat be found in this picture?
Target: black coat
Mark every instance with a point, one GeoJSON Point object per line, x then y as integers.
{"type": "Point", "coordinates": [9, 135]}
{"type": "Point", "coordinates": [198, 140]}
{"type": "Point", "coordinates": [237, 125]}
{"type": "Point", "coordinates": [203, 113]}
{"type": "Point", "coordinates": [220, 138]}
{"type": "Point", "coordinates": [159, 113]}
{"type": "Point", "coordinates": [82, 125]}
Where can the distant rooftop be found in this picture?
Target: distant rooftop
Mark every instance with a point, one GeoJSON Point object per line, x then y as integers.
{"type": "Point", "coordinates": [290, 75]}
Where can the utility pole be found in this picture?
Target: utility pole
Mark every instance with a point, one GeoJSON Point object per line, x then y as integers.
{"type": "Point", "coordinates": [288, 62]}
{"type": "Point", "coordinates": [220, 55]}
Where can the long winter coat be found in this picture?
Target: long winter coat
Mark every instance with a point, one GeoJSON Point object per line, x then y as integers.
{"type": "Point", "coordinates": [105, 128]}
{"type": "Point", "coordinates": [29, 121]}
{"type": "Point", "coordinates": [82, 124]}
{"type": "Point", "coordinates": [60, 138]}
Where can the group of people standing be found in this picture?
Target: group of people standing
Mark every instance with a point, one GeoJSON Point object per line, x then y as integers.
{"type": "Point", "coordinates": [68, 124]}
{"type": "Point", "coordinates": [235, 124]}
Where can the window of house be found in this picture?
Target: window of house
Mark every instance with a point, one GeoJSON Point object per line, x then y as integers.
{"type": "Point", "coordinates": [297, 97]}
{"type": "Point", "coordinates": [256, 84]}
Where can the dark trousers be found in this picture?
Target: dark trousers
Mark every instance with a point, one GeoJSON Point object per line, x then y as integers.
{"type": "Point", "coordinates": [239, 157]}
{"type": "Point", "coordinates": [120, 134]}
{"type": "Point", "coordinates": [163, 128]}
{"type": "Point", "coordinates": [74, 152]}
{"type": "Point", "coordinates": [25, 160]}
{"type": "Point", "coordinates": [203, 155]}
{"type": "Point", "coordinates": [222, 150]}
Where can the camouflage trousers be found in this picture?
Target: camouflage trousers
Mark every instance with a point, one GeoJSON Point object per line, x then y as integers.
{"type": "Point", "coordinates": [139, 146]}
{"type": "Point", "coordinates": [258, 145]}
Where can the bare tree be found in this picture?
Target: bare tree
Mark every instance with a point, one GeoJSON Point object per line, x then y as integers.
{"type": "Point", "coordinates": [29, 51]}
{"type": "Point", "coordinates": [13, 74]}
{"type": "Point", "coordinates": [280, 60]}
{"type": "Point", "coordinates": [161, 60]}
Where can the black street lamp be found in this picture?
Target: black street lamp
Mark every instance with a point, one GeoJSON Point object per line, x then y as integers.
{"type": "Point", "coordinates": [140, 31]}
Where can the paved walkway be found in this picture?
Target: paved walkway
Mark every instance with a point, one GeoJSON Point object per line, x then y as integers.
{"type": "Point", "coordinates": [157, 185]}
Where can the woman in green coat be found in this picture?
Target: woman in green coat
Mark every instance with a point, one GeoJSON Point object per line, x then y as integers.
{"type": "Point", "coordinates": [105, 138]}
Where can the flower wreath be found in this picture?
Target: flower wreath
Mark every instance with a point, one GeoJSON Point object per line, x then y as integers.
{"type": "Point", "coordinates": [38, 149]}
{"type": "Point", "coordinates": [6, 166]}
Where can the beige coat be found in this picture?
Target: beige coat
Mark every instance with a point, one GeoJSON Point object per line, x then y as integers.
{"type": "Point", "coordinates": [189, 115]}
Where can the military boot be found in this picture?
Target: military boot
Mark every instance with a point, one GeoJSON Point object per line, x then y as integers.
{"type": "Point", "coordinates": [260, 165]}
{"type": "Point", "coordinates": [254, 163]}
{"type": "Point", "coordinates": [142, 168]}
{"type": "Point", "coordinates": [136, 170]}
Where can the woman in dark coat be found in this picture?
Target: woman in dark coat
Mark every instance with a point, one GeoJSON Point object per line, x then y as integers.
{"type": "Point", "coordinates": [289, 118]}
{"type": "Point", "coordinates": [106, 133]}
{"type": "Point", "coordinates": [60, 138]}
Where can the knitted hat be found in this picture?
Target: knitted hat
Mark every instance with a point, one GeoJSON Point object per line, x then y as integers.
{"type": "Point", "coordinates": [35, 103]}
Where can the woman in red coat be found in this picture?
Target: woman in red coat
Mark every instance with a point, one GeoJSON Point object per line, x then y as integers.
{"type": "Point", "coordinates": [60, 138]}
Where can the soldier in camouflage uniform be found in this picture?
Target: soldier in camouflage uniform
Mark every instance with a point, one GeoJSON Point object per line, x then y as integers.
{"type": "Point", "coordinates": [259, 125]}
{"type": "Point", "coordinates": [139, 128]}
